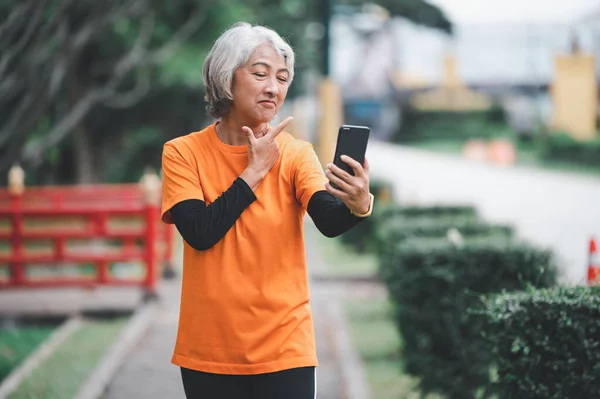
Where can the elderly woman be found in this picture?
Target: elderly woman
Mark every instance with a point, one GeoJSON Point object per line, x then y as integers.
{"type": "Point", "coordinates": [238, 191]}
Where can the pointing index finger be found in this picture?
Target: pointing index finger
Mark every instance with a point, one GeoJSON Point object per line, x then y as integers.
{"type": "Point", "coordinates": [279, 128]}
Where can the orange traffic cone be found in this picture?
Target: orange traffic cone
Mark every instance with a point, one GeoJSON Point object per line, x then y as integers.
{"type": "Point", "coordinates": [593, 264]}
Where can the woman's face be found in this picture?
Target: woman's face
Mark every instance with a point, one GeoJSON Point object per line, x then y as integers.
{"type": "Point", "coordinates": [260, 87]}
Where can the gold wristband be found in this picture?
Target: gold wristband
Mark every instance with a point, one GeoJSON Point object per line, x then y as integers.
{"type": "Point", "coordinates": [369, 212]}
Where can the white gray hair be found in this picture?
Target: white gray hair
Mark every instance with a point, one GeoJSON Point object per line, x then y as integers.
{"type": "Point", "coordinates": [232, 50]}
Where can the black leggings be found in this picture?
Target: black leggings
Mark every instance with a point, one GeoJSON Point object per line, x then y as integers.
{"type": "Point", "coordinates": [298, 383]}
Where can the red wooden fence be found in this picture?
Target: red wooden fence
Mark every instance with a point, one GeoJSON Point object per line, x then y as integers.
{"type": "Point", "coordinates": [95, 225]}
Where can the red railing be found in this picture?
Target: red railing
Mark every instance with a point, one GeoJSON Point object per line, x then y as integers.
{"type": "Point", "coordinates": [98, 227]}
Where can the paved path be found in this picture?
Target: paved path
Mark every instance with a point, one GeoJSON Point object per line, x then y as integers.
{"type": "Point", "coordinates": [62, 302]}
{"type": "Point", "coordinates": [149, 374]}
{"type": "Point", "coordinates": [552, 209]}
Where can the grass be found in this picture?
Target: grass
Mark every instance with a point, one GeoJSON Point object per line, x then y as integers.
{"type": "Point", "coordinates": [17, 343]}
{"type": "Point", "coordinates": [62, 374]}
{"type": "Point", "coordinates": [378, 344]}
{"type": "Point", "coordinates": [340, 261]}
{"type": "Point", "coordinates": [528, 155]}
{"type": "Point", "coordinates": [443, 146]}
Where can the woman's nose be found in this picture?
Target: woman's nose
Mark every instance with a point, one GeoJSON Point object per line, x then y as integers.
{"type": "Point", "coordinates": [271, 87]}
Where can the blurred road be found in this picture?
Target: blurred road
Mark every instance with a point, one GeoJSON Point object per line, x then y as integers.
{"type": "Point", "coordinates": [552, 209]}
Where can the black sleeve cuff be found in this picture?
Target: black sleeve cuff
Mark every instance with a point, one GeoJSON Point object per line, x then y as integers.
{"type": "Point", "coordinates": [245, 189]}
{"type": "Point", "coordinates": [331, 216]}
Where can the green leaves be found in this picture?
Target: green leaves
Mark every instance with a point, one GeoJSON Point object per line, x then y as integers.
{"type": "Point", "coordinates": [550, 347]}
{"type": "Point", "coordinates": [562, 147]}
{"type": "Point", "coordinates": [430, 125]}
{"type": "Point", "coordinates": [362, 237]}
{"type": "Point", "coordinates": [485, 318]}
{"type": "Point", "coordinates": [184, 67]}
{"type": "Point", "coordinates": [420, 12]}
{"type": "Point", "coordinates": [438, 288]}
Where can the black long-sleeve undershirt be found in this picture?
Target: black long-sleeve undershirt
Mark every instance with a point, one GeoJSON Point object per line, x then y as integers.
{"type": "Point", "coordinates": [202, 226]}
{"type": "Point", "coordinates": [331, 216]}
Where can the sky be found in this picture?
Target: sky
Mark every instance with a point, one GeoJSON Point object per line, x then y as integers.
{"type": "Point", "coordinates": [516, 11]}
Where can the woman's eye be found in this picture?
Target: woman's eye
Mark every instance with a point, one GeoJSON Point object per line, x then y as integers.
{"type": "Point", "coordinates": [260, 75]}
{"type": "Point", "coordinates": [282, 79]}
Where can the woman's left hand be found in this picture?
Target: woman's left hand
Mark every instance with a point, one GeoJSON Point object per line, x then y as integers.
{"type": "Point", "coordinates": [353, 190]}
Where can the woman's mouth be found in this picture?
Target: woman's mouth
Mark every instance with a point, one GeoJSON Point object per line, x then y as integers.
{"type": "Point", "coordinates": [267, 103]}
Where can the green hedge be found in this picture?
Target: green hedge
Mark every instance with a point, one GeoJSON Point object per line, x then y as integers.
{"type": "Point", "coordinates": [360, 237]}
{"type": "Point", "coordinates": [367, 235]}
{"type": "Point", "coordinates": [434, 211]}
{"type": "Point", "coordinates": [405, 217]}
{"type": "Point", "coordinates": [547, 343]}
{"type": "Point", "coordinates": [424, 125]}
{"type": "Point", "coordinates": [562, 147]}
{"type": "Point", "coordinates": [433, 284]}
{"type": "Point", "coordinates": [381, 187]}
{"type": "Point", "coordinates": [399, 229]}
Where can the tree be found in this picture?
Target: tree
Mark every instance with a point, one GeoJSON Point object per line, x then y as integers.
{"type": "Point", "coordinates": [420, 12]}
{"type": "Point", "coordinates": [56, 66]}
{"type": "Point", "coordinates": [67, 67]}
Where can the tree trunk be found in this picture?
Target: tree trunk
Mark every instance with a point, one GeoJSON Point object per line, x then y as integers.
{"type": "Point", "coordinates": [84, 156]}
{"type": "Point", "coordinates": [85, 172]}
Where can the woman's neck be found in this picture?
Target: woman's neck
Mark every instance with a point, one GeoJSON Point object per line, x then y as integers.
{"type": "Point", "coordinates": [230, 131]}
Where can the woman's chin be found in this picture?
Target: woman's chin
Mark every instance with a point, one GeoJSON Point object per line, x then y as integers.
{"type": "Point", "coordinates": [266, 115]}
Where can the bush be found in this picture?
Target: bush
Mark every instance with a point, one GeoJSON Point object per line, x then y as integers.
{"type": "Point", "coordinates": [399, 229]}
{"type": "Point", "coordinates": [396, 224]}
{"type": "Point", "coordinates": [547, 343]}
{"type": "Point", "coordinates": [367, 235]}
{"type": "Point", "coordinates": [435, 211]}
{"type": "Point", "coordinates": [434, 284]}
{"type": "Point", "coordinates": [562, 147]}
{"type": "Point", "coordinates": [382, 190]}
{"type": "Point", "coordinates": [426, 125]}
{"type": "Point", "coordinates": [360, 237]}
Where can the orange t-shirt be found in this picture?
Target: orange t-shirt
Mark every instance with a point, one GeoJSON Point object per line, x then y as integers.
{"type": "Point", "coordinates": [244, 302]}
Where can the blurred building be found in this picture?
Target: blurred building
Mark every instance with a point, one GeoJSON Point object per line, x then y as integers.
{"type": "Point", "coordinates": [501, 54]}
{"type": "Point", "coordinates": [377, 59]}
{"type": "Point", "coordinates": [591, 24]}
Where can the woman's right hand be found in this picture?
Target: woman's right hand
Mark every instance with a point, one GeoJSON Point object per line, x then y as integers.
{"type": "Point", "coordinates": [263, 152]}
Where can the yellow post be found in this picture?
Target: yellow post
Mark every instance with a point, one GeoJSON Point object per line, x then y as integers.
{"type": "Point", "coordinates": [451, 87]}
{"type": "Point", "coordinates": [150, 184]}
{"type": "Point", "coordinates": [330, 120]}
{"type": "Point", "coordinates": [451, 77]}
{"type": "Point", "coordinates": [574, 95]}
{"type": "Point", "coordinates": [16, 181]}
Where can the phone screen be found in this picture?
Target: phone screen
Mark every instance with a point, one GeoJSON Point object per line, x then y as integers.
{"type": "Point", "coordinates": [351, 141]}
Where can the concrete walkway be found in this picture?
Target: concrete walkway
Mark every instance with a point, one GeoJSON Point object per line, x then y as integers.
{"type": "Point", "coordinates": [553, 209]}
{"type": "Point", "coordinates": [148, 372]}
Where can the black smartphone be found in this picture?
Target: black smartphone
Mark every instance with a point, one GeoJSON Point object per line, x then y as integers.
{"type": "Point", "coordinates": [351, 141]}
